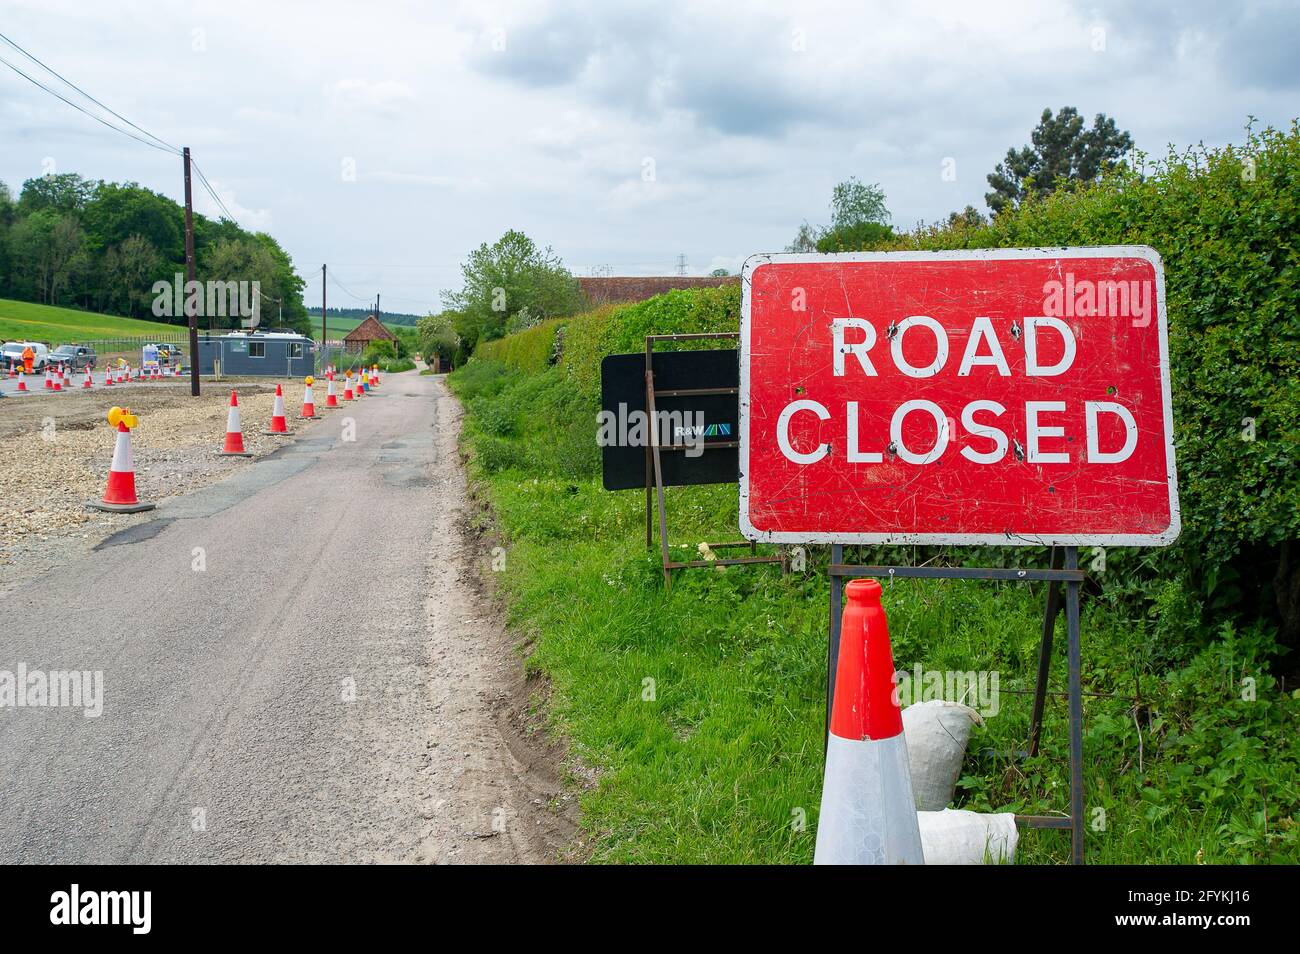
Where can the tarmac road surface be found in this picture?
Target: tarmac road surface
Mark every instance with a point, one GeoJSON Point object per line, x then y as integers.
{"type": "Point", "coordinates": [294, 668]}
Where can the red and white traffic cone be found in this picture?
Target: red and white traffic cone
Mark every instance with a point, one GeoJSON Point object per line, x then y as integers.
{"type": "Point", "coordinates": [234, 446]}
{"type": "Point", "coordinates": [119, 495]}
{"type": "Point", "coordinates": [108, 379]}
{"type": "Point", "coordinates": [58, 380]}
{"type": "Point", "coordinates": [87, 383]}
{"type": "Point", "coordinates": [278, 425]}
{"type": "Point", "coordinates": [331, 398]}
{"type": "Point", "coordinates": [308, 402]}
{"type": "Point", "coordinates": [22, 381]}
{"type": "Point", "coordinates": [868, 813]}
{"type": "Point", "coordinates": [49, 380]}
{"type": "Point", "coordinates": [347, 387]}
{"type": "Point", "coordinates": [13, 370]}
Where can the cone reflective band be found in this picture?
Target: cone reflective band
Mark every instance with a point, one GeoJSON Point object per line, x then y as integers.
{"type": "Point", "coordinates": [868, 813]}
{"type": "Point", "coordinates": [331, 398]}
{"type": "Point", "coordinates": [278, 425]}
{"type": "Point", "coordinates": [234, 446]}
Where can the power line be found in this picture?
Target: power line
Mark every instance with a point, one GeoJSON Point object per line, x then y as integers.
{"type": "Point", "coordinates": [69, 82]}
{"type": "Point", "coordinates": [203, 180]}
{"type": "Point", "coordinates": [98, 119]}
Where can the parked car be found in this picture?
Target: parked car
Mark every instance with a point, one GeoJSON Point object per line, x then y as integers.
{"type": "Point", "coordinates": [73, 357]}
{"type": "Point", "coordinates": [11, 355]}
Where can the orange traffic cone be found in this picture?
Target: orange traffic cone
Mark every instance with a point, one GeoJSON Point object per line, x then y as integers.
{"type": "Point", "coordinates": [234, 446]}
{"type": "Point", "coordinates": [868, 813]}
{"type": "Point", "coordinates": [278, 425]}
{"type": "Point", "coordinates": [308, 402]}
{"type": "Point", "coordinates": [347, 386]}
{"type": "Point", "coordinates": [119, 495]}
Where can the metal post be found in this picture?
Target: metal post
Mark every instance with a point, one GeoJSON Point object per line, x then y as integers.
{"type": "Point", "coordinates": [833, 640]}
{"type": "Point", "coordinates": [1076, 709]}
{"type": "Point", "coordinates": [1052, 610]}
{"type": "Point", "coordinates": [189, 277]}
{"type": "Point", "coordinates": [324, 316]}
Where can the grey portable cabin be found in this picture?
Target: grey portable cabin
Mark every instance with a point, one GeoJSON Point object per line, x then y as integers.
{"type": "Point", "coordinates": [274, 353]}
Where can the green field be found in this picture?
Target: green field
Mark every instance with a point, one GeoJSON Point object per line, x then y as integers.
{"type": "Point", "coordinates": [21, 320]}
{"type": "Point", "coordinates": [338, 327]}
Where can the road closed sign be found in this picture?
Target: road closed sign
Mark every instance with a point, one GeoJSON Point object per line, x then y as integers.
{"type": "Point", "coordinates": [1009, 396]}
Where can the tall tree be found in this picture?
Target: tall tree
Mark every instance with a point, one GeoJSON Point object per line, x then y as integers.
{"type": "Point", "coordinates": [501, 279]}
{"type": "Point", "coordinates": [1061, 148]}
{"type": "Point", "coordinates": [859, 220]}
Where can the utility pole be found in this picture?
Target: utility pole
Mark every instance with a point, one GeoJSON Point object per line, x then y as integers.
{"type": "Point", "coordinates": [681, 264]}
{"type": "Point", "coordinates": [190, 315]}
{"type": "Point", "coordinates": [324, 316]}
{"type": "Point", "coordinates": [377, 306]}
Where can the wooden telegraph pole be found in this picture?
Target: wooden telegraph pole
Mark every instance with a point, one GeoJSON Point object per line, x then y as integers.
{"type": "Point", "coordinates": [190, 315]}
{"type": "Point", "coordinates": [324, 316]}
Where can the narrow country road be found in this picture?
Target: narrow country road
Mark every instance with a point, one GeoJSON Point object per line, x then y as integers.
{"type": "Point", "coordinates": [297, 667]}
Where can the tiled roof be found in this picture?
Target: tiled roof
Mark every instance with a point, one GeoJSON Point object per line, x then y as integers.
{"type": "Point", "coordinates": [599, 291]}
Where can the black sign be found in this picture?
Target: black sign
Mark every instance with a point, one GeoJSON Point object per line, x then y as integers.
{"type": "Point", "coordinates": [689, 422]}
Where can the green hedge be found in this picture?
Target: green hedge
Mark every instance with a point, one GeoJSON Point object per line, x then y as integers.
{"type": "Point", "coordinates": [622, 329]}
{"type": "Point", "coordinates": [530, 350]}
{"type": "Point", "coordinates": [1226, 223]}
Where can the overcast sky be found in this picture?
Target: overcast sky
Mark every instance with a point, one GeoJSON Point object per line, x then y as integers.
{"type": "Point", "coordinates": [388, 139]}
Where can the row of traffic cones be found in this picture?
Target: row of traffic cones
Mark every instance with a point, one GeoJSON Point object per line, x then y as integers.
{"type": "Point", "coordinates": [120, 495]}
{"type": "Point", "coordinates": [56, 379]}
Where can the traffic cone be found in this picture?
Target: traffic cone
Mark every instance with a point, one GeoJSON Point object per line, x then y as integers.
{"type": "Point", "coordinates": [22, 381]}
{"type": "Point", "coordinates": [360, 390]}
{"type": "Point", "coordinates": [374, 376]}
{"type": "Point", "coordinates": [49, 380]}
{"type": "Point", "coordinates": [58, 380]}
{"type": "Point", "coordinates": [331, 398]}
{"type": "Point", "coordinates": [278, 425]}
{"type": "Point", "coordinates": [87, 383]}
{"type": "Point", "coordinates": [308, 402]}
{"type": "Point", "coordinates": [108, 379]}
{"type": "Point", "coordinates": [119, 495]}
{"type": "Point", "coordinates": [234, 446]}
{"type": "Point", "coordinates": [13, 370]}
{"type": "Point", "coordinates": [868, 813]}
{"type": "Point", "coordinates": [347, 387]}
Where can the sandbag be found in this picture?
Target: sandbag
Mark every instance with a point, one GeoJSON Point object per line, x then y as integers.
{"type": "Point", "coordinates": [956, 837]}
{"type": "Point", "coordinates": [937, 732]}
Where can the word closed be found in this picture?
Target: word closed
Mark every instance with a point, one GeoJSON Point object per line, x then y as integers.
{"type": "Point", "coordinates": [1013, 396]}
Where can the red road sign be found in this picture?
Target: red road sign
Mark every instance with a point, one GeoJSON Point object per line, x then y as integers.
{"type": "Point", "coordinates": [1009, 396]}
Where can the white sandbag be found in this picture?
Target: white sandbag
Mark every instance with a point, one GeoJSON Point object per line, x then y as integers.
{"type": "Point", "coordinates": [937, 732]}
{"type": "Point", "coordinates": [956, 837]}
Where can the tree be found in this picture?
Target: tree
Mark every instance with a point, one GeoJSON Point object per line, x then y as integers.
{"type": "Point", "coordinates": [66, 193]}
{"type": "Point", "coordinates": [41, 247]}
{"type": "Point", "coordinates": [720, 273]}
{"type": "Point", "coordinates": [1061, 149]}
{"type": "Point", "coordinates": [501, 279]}
{"type": "Point", "coordinates": [438, 338]}
{"type": "Point", "coordinates": [853, 204]}
{"type": "Point", "coordinates": [131, 266]}
{"type": "Point", "coordinates": [859, 220]}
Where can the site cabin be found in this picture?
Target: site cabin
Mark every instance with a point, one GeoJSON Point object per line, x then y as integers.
{"type": "Point", "coordinates": [273, 353]}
